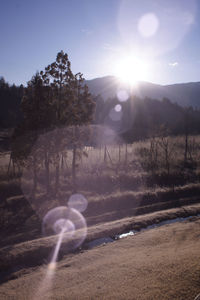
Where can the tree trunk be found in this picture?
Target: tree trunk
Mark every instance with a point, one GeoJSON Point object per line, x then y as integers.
{"type": "Point", "coordinates": [186, 148]}
{"type": "Point", "coordinates": [74, 169]}
{"type": "Point", "coordinates": [126, 155]}
{"type": "Point", "coordinates": [167, 164]}
{"type": "Point", "coordinates": [186, 135]}
{"type": "Point", "coordinates": [47, 172]}
{"type": "Point", "coordinates": [57, 183]}
{"type": "Point", "coordinates": [35, 179]}
{"type": "Point", "coordinates": [119, 153]}
{"type": "Point", "coordinates": [105, 155]}
{"type": "Point", "coordinates": [62, 162]}
{"type": "Point", "coordinates": [8, 171]}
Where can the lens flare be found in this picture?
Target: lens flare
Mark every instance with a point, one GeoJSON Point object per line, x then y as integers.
{"type": "Point", "coordinates": [78, 202]}
{"type": "Point", "coordinates": [118, 107]}
{"type": "Point", "coordinates": [70, 227]}
{"type": "Point", "coordinates": [148, 25]}
{"type": "Point", "coordinates": [122, 95]}
{"type": "Point", "coordinates": [47, 282]}
{"type": "Point", "coordinates": [65, 226]}
{"type": "Point", "coordinates": [155, 27]}
{"type": "Point", "coordinates": [68, 221]}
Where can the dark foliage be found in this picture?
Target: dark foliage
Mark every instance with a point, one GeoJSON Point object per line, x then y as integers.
{"type": "Point", "coordinates": [10, 98]}
{"type": "Point", "coordinates": [141, 118]}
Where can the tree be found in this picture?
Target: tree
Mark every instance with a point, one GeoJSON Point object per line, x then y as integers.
{"type": "Point", "coordinates": [72, 102]}
{"type": "Point", "coordinates": [55, 98]}
{"type": "Point", "coordinates": [10, 98]}
{"type": "Point", "coordinates": [37, 105]}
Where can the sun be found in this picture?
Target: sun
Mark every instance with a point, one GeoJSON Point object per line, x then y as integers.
{"type": "Point", "coordinates": [130, 70]}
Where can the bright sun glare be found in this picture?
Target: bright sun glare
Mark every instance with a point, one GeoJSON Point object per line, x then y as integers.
{"type": "Point", "coordinates": [130, 70]}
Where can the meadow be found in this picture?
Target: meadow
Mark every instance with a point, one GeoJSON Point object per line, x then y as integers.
{"type": "Point", "coordinates": [118, 181]}
{"type": "Point", "coordinates": [126, 187]}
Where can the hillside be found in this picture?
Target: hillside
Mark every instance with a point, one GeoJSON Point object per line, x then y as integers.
{"type": "Point", "coordinates": [185, 94]}
{"type": "Point", "coordinates": [109, 87]}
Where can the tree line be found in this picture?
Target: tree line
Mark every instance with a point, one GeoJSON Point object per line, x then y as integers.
{"type": "Point", "coordinates": [53, 112]}
{"type": "Point", "coordinates": [10, 99]}
{"type": "Point", "coordinates": [140, 118]}
{"type": "Point", "coordinates": [55, 100]}
{"type": "Point", "coordinates": [143, 118]}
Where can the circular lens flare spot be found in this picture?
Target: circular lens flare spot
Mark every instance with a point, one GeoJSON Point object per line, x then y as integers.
{"type": "Point", "coordinates": [122, 95]}
{"type": "Point", "coordinates": [148, 25]}
{"type": "Point", "coordinates": [78, 202]}
{"type": "Point", "coordinates": [66, 221]}
{"type": "Point", "coordinates": [64, 226]}
{"type": "Point", "coordinates": [118, 107]}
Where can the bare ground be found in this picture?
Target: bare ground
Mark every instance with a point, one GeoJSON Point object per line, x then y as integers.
{"type": "Point", "coordinates": [161, 263]}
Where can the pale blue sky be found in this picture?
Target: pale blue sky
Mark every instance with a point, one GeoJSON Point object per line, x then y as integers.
{"type": "Point", "coordinates": [98, 34]}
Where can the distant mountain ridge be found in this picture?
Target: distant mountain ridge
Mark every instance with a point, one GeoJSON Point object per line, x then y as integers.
{"type": "Point", "coordinates": [184, 94]}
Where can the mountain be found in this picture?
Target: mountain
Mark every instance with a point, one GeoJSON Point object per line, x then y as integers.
{"type": "Point", "coordinates": [184, 94]}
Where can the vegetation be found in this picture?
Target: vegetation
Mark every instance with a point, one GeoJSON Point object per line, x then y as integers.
{"type": "Point", "coordinates": [10, 99]}
{"type": "Point", "coordinates": [53, 99]}
{"type": "Point", "coordinates": [131, 179]}
{"type": "Point", "coordinates": [138, 159]}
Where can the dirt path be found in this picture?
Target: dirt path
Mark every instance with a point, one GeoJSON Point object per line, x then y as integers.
{"type": "Point", "coordinates": [161, 263]}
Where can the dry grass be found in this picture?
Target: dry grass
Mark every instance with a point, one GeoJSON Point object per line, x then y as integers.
{"type": "Point", "coordinates": [120, 187]}
{"type": "Point", "coordinates": [35, 252]}
{"type": "Point", "coordinates": [19, 217]}
{"type": "Point", "coordinates": [162, 263]}
{"type": "Point", "coordinates": [124, 165]}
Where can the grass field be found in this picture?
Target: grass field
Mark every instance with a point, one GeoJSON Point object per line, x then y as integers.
{"type": "Point", "coordinates": [161, 263]}
{"type": "Point", "coordinates": [126, 187]}
{"type": "Point", "coordinates": [117, 180]}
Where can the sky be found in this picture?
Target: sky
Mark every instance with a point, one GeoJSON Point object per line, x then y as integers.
{"type": "Point", "coordinates": [157, 40]}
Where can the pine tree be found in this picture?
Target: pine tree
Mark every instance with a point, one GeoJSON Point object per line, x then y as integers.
{"type": "Point", "coordinates": [37, 106]}
{"type": "Point", "coordinates": [72, 101]}
{"type": "Point", "coordinates": [72, 104]}
{"type": "Point", "coordinates": [55, 99]}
